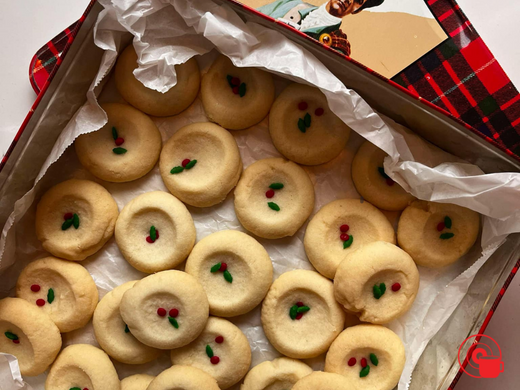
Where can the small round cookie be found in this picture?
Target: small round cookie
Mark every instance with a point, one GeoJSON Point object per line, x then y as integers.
{"type": "Point", "coordinates": [183, 378]}
{"type": "Point", "coordinates": [200, 164]}
{"type": "Point", "coordinates": [29, 334]}
{"type": "Point", "coordinates": [279, 374]}
{"type": "Point", "coordinates": [437, 234]}
{"type": "Point", "coordinates": [300, 315]}
{"type": "Point", "coordinates": [62, 289]}
{"type": "Point", "coordinates": [340, 227]}
{"type": "Point", "coordinates": [378, 282]}
{"type": "Point", "coordinates": [75, 218]}
{"type": "Point", "coordinates": [304, 129]}
{"type": "Point", "coordinates": [155, 232]}
{"type": "Point", "coordinates": [136, 382]}
{"type": "Point", "coordinates": [125, 149]}
{"type": "Point", "coordinates": [176, 100]}
{"type": "Point", "coordinates": [165, 310]}
{"type": "Point", "coordinates": [274, 198]}
{"type": "Point", "coordinates": [114, 336]}
{"type": "Point", "coordinates": [234, 269]}
{"type": "Point", "coordinates": [369, 356]}
{"type": "Point", "coordinates": [373, 184]}
{"type": "Point", "coordinates": [221, 350]}
{"type": "Point", "coordinates": [236, 98]}
{"type": "Point", "coordinates": [82, 366]}
{"type": "Point", "coordinates": [319, 380]}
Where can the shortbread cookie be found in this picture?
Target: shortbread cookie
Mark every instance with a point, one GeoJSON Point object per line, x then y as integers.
{"type": "Point", "coordinates": [300, 315]}
{"type": "Point", "coordinates": [29, 334]}
{"type": "Point", "coordinates": [165, 310]}
{"type": "Point", "coordinates": [279, 374]}
{"type": "Point", "coordinates": [304, 129]}
{"type": "Point", "coordinates": [341, 227]}
{"type": "Point", "coordinates": [323, 381]}
{"type": "Point", "coordinates": [136, 382]}
{"type": "Point", "coordinates": [221, 350]}
{"type": "Point", "coordinates": [155, 232]}
{"type": "Point", "coordinates": [234, 269]}
{"type": "Point", "coordinates": [183, 378]}
{"type": "Point", "coordinates": [378, 282]}
{"type": "Point", "coordinates": [125, 149]}
{"type": "Point", "coordinates": [369, 356]}
{"type": "Point", "coordinates": [274, 198]}
{"type": "Point", "coordinates": [114, 336]}
{"type": "Point", "coordinates": [437, 234]}
{"type": "Point", "coordinates": [373, 184]}
{"type": "Point", "coordinates": [82, 366]}
{"type": "Point", "coordinates": [236, 98]}
{"type": "Point", "coordinates": [200, 164]}
{"type": "Point", "coordinates": [75, 218]}
{"type": "Point", "coordinates": [176, 100]}
{"type": "Point", "coordinates": [62, 289]}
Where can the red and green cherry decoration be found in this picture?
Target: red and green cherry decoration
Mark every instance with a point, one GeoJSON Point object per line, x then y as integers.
{"type": "Point", "coordinates": [78, 388]}
{"type": "Point", "coordinates": [379, 289]}
{"type": "Point", "coordinates": [154, 235]}
{"type": "Point", "coordinates": [238, 87]}
{"type": "Point", "coordinates": [172, 315]}
{"type": "Point", "coordinates": [41, 302]}
{"type": "Point", "coordinates": [305, 122]}
{"type": "Point", "coordinates": [270, 194]}
{"type": "Point", "coordinates": [441, 226]}
{"type": "Point", "coordinates": [118, 141]}
{"type": "Point", "coordinates": [214, 359]}
{"type": "Point", "coordinates": [222, 267]}
{"type": "Point", "coordinates": [185, 164]}
{"type": "Point", "coordinates": [297, 311]}
{"type": "Point", "coordinates": [389, 181]}
{"type": "Point", "coordinates": [13, 337]}
{"type": "Point", "coordinates": [70, 219]}
{"type": "Point", "coordinates": [347, 239]}
{"type": "Point", "coordinates": [365, 368]}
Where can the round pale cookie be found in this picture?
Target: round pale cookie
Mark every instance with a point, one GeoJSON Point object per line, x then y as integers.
{"type": "Point", "coordinates": [274, 198]}
{"type": "Point", "coordinates": [221, 350]}
{"type": "Point", "coordinates": [340, 227]}
{"type": "Point", "coordinates": [176, 100]}
{"type": "Point", "coordinates": [279, 374]}
{"type": "Point", "coordinates": [323, 381]}
{"type": "Point", "coordinates": [125, 149]}
{"type": "Point", "coordinates": [29, 334]}
{"type": "Point", "coordinates": [63, 290]}
{"type": "Point", "coordinates": [437, 234]}
{"type": "Point", "coordinates": [84, 367]}
{"type": "Point", "coordinates": [304, 129]}
{"type": "Point", "coordinates": [183, 378]}
{"type": "Point", "coordinates": [373, 184]}
{"type": "Point", "coordinates": [300, 315]}
{"type": "Point", "coordinates": [136, 382]}
{"type": "Point", "coordinates": [75, 218]}
{"type": "Point", "coordinates": [371, 357]}
{"type": "Point", "coordinates": [236, 98]}
{"type": "Point", "coordinates": [155, 232]}
{"type": "Point", "coordinates": [165, 310]}
{"type": "Point", "coordinates": [378, 282]}
{"type": "Point", "coordinates": [113, 335]}
{"type": "Point", "coordinates": [200, 164]}
{"type": "Point", "coordinates": [234, 269]}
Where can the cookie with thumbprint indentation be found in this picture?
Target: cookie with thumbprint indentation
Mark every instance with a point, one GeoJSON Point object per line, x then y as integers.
{"type": "Point", "coordinates": [319, 380]}
{"type": "Point", "coordinates": [155, 232]}
{"type": "Point", "coordinates": [174, 101]}
{"type": "Point", "coordinates": [136, 382]}
{"type": "Point", "coordinates": [125, 149]}
{"type": "Point", "coordinates": [274, 198]}
{"type": "Point", "coordinates": [183, 378]}
{"type": "Point", "coordinates": [341, 227]}
{"type": "Point", "coordinates": [200, 164]}
{"type": "Point", "coordinates": [304, 129]}
{"type": "Point", "coordinates": [300, 315]}
{"type": "Point", "coordinates": [221, 350]}
{"type": "Point", "coordinates": [62, 289]}
{"type": "Point", "coordinates": [75, 218]}
{"type": "Point", "coordinates": [83, 367]}
{"type": "Point", "coordinates": [378, 282]}
{"type": "Point", "coordinates": [29, 334]}
{"type": "Point", "coordinates": [367, 356]}
{"type": "Point", "coordinates": [236, 98]}
{"type": "Point", "coordinates": [437, 234]}
{"type": "Point", "coordinates": [234, 269]}
{"type": "Point", "coordinates": [279, 374]}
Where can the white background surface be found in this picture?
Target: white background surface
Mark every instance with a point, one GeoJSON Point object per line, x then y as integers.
{"type": "Point", "coordinates": [26, 25]}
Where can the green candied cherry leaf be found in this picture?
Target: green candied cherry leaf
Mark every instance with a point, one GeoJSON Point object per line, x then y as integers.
{"type": "Point", "coordinates": [209, 351]}
{"type": "Point", "coordinates": [175, 170]}
{"type": "Point", "coordinates": [382, 172]}
{"type": "Point", "coordinates": [228, 276]}
{"type": "Point", "coordinates": [67, 224]}
{"type": "Point", "coordinates": [153, 233]}
{"type": "Point", "coordinates": [446, 236]}
{"type": "Point", "coordinates": [377, 291]}
{"type": "Point", "coordinates": [307, 120]}
{"type": "Point", "coordinates": [348, 243]}
{"type": "Point", "coordinates": [382, 287]}
{"type": "Point", "coordinates": [364, 372]}
{"type": "Point", "coordinates": [75, 221]}
{"type": "Point", "coordinates": [273, 206]}
{"type": "Point", "coordinates": [293, 312]}
{"type": "Point", "coordinates": [447, 222]}
{"type": "Point", "coordinates": [50, 295]}
{"type": "Point", "coordinates": [174, 322]}
{"type": "Point", "coordinates": [374, 359]}
{"type": "Point", "coordinates": [242, 89]}
{"type": "Point", "coordinates": [191, 164]}
{"type": "Point", "coordinates": [127, 330]}
{"type": "Point", "coordinates": [75, 388]}
{"type": "Point", "coordinates": [303, 309]}
{"type": "Point", "coordinates": [114, 133]}
{"type": "Point", "coordinates": [229, 78]}
{"type": "Point", "coordinates": [216, 267]}
{"type": "Point", "coordinates": [276, 186]}
{"type": "Point", "coordinates": [119, 150]}
{"type": "Point", "coordinates": [11, 336]}
{"type": "Point", "coordinates": [301, 125]}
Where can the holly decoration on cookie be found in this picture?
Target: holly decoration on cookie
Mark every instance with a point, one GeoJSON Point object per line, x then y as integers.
{"type": "Point", "coordinates": [154, 235]}
{"type": "Point", "coordinates": [212, 357]}
{"type": "Point", "coordinates": [270, 194]}
{"type": "Point", "coordinates": [13, 337]}
{"type": "Point", "coordinates": [446, 224]}
{"type": "Point", "coordinates": [389, 181]}
{"type": "Point", "coordinates": [236, 85]}
{"type": "Point", "coordinates": [365, 368]}
{"type": "Point", "coordinates": [71, 219]}
{"type": "Point", "coordinates": [222, 267]}
{"type": "Point", "coordinates": [379, 290]}
{"type": "Point", "coordinates": [297, 311]}
{"type": "Point", "coordinates": [50, 295]}
{"type": "Point", "coordinates": [172, 315]}
{"type": "Point", "coordinates": [118, 141]}
{"type": "Point", "coordinates": [347, 239]}
{"type": "Point", "coordinates": [78, 388]}
{"type": "Point", "coordinates": [186, 164]}
{"type": "Point", "coordinates": [305, 122]}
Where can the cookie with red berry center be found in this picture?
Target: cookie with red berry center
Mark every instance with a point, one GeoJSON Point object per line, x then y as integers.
{"type": "Point", "coordinates": [136, 382]}
{"type": "Point", "coordinates": [437, 234]}
{"type": "Point", "coordinates": [174, 101]}
{"type": "Point", "coordinates": [155, 232]}
{"type": "Point", "coordinates": [75, 218]}
{"type": "Point", "coordinates": [183, 378]}
{"type": "Point", "coordinates": [378, 282]}
{"type": "Point", "coordinates": [124, 149]}
{"type": "Point", "coordinates": [62, 289]}
{"type": "Point", "coordinates": [221, 350]}
{"type": "Point", "coordinates": [368, 356]}
{"type": "Point", "coordinates": [29, 334]}
{"type": "Point", "coordinates": [236, 98]}
{"type": "Point", "coordinates": [278, 374]}
{"type": "Point", "coordinates": [323, 381]}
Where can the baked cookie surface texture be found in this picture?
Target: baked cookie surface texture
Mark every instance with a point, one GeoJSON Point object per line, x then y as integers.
{"type": "Point", "coordinates": [323, 381]}
{"type": "Point", "coordinates": [183, 378]}
{"type": "Point", "coordinates": [278, 374]}
{"type": "Point", "coordinates": [136, 382]}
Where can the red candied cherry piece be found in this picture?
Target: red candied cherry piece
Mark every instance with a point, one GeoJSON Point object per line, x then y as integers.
{"type": "Point", "coordinates": [235, 90]}
{"type": "Point", "coordinates": [299, 316]}
{"type": "Point", "coordinates": [363, 362]}
{"type": "Point", "coordinates": [219, 339]}
{"type": "Point", "coordinates": [235, 81]}
{"type": "Point", "coordinates": [270, 193]}
{"type": "Point", "coordinates": [344, 228]}
{"type": "Point", "coordinates": [389, 182]}
{"type": "Point", "coordinates": [119, 141]}
{"type": "Point", "coordinates": [161, 311]}
{"type": "Point", "coordinates": [35, 288]}
{"type": "Point", "coordinates": [68, 216]}
{"type": "Point", "coordinates": [214, 360]}
{"type": "Point", "coordinates": [85, 388]}
{"type": "Point", "coordinates": [344, 237]}
{"type": "Point", "coordinates": [156, 233]}
{"type": "Point", "coordinates": [223, 267]}
{"type": "Point", "coordinates": [40, 302]}
{"type": "Point", "coordinates": [299, 304]}
{"type": "Point", "coordinates": [17, 341]}
{"type": "Point", "coordinates": [185, 162]}
{"type": "Point", "coordinates": [352, 361]}
{"type": "Point", "coordinates": [302, 106]}
{"type": "Point", "coordinates": [440, 226]}
{"type": "Point", "coordinates": [396, 287]}
{"type": "Point", "coordinates": [319, 111]}
{"type": "Point", "coordinates": [174, 313]}
{"type": "Point", "coordinates": [149, 240]}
